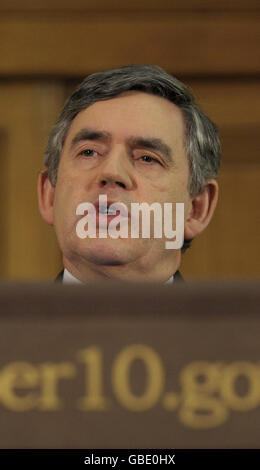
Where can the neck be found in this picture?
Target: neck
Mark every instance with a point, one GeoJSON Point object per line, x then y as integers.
{"type": "Point", "coordinates": [85, 271]}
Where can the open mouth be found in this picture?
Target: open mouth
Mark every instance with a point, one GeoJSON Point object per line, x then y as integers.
{"type": "Point", "coordinates": [111, 209]}
{"type": "Point", "coordinates": [108, 211]}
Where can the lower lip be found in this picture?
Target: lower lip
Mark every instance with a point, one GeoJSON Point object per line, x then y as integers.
{"type": "Point", "coordinates": [105, 219]}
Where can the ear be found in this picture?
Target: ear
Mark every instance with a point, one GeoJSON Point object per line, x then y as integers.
{"type": "Point", "coordinates": [46, 196]}
{"type": "Point", "coordinates": [202, 210]}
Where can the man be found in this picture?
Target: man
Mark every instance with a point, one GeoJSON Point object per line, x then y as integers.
{"type": "Point", "coordinates": [133, 135]}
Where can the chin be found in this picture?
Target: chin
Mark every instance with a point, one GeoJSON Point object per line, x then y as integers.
{"type": "Point", "coordinates": [108, 252]}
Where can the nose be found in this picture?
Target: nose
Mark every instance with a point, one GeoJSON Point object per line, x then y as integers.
{"type": "Point", "coordinates": [116, 170]}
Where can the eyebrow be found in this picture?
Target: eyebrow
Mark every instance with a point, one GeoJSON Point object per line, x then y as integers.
{"type": "Point", "coordinates": [89, 134]}
{"type": "Point", "coordinates": [153, 143]}
{"type": "Point", "coordinates": [150, 143]}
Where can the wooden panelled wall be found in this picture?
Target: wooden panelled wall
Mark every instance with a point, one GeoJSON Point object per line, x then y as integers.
{"type": "Point", "coordinates": [211, 45]}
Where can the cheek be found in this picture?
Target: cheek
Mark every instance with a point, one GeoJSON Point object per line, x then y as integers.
{"type": "Point", "coordinates": [175, 190]}
{"type": "Point", "coordinates": [64, 203]}
{"type": "Point", "coordinates": [69, 185]}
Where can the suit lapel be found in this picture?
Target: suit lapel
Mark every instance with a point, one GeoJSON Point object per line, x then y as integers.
{"type": "Point", "coordinates": [59, 278]}
{"type": "Point", "coordinates": [178, 277]}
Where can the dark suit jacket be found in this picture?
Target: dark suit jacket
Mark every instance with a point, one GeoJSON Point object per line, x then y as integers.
{"type": "Point", "coordinates": [177, 277]}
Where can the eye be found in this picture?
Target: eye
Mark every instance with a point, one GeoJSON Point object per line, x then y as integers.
{"type": "Point", "coordinates": [88, 153]}
{"type": "Point", "coordinates": [149, 159]}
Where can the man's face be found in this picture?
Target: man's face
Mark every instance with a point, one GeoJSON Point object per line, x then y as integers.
{"type": "Point", "coordinates": [130, 148]}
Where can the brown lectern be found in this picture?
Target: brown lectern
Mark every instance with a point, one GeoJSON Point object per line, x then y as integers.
{"type": "Point", "coordinates": [130, 366]}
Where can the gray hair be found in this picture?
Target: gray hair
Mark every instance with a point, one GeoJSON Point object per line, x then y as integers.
{"type": "Point", "coordinates": [201, 139]}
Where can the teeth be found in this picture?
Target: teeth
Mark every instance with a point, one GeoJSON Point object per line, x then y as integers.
{"type": "Point", "coordinates": [103, 210]}
{"type": "Point", "coordinates": [110, 211]}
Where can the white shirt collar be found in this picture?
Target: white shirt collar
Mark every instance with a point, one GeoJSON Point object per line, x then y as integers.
{"type": "Point", "coordinates": [69, 279]}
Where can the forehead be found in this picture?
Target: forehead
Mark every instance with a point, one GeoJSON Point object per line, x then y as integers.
{"type": "Point", "coordinates": [133, 113]}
